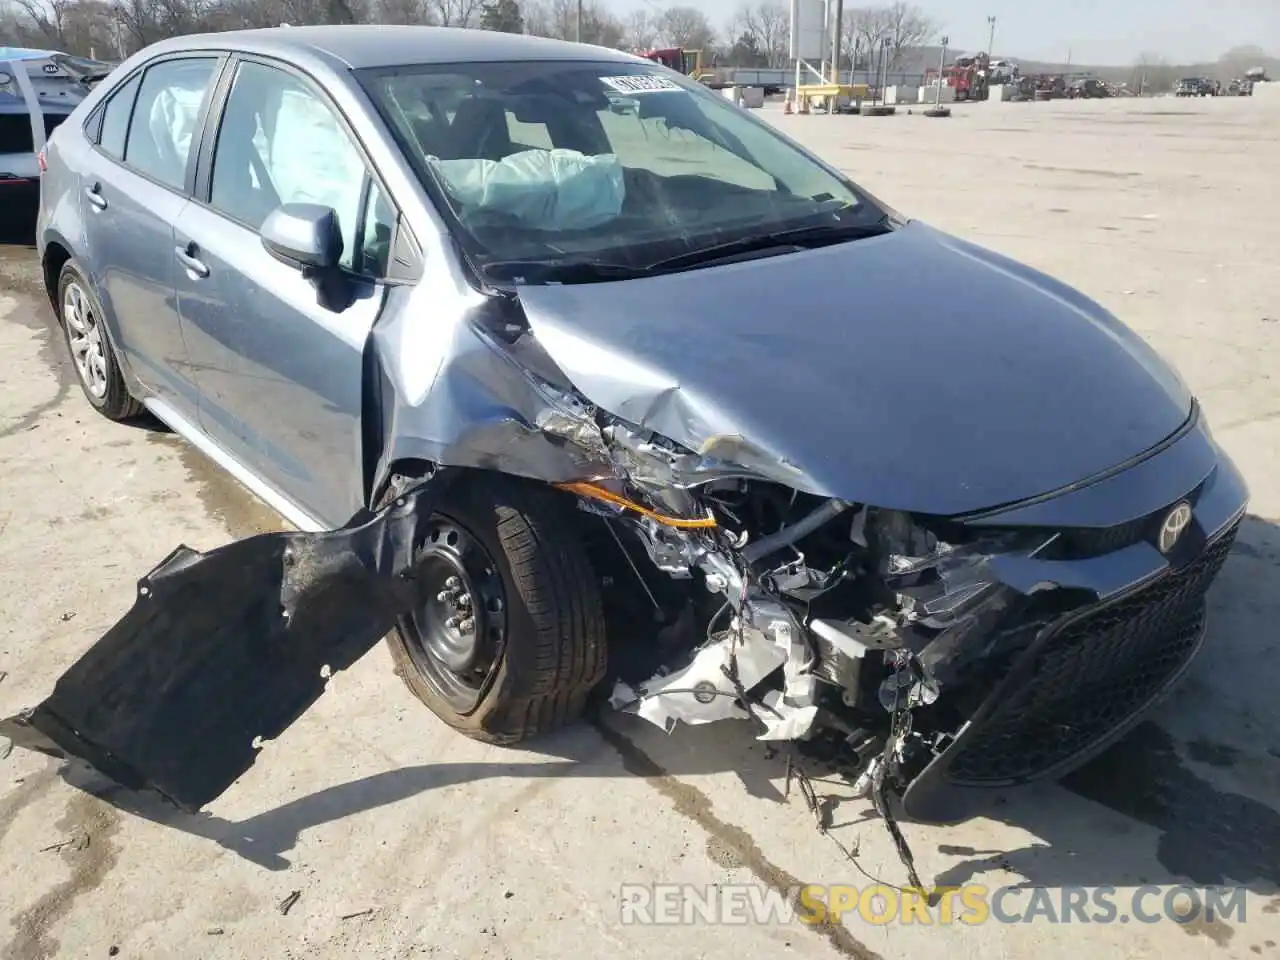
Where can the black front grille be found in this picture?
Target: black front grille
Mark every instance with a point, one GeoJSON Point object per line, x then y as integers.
{"type": "Point", "coordinates": [1078, 543]}
{"type": "Point", "coordinates": [1091, 674]}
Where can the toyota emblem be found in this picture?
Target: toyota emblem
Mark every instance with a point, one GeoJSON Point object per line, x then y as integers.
{"type": "Point", "coordinates": [1175, 521]}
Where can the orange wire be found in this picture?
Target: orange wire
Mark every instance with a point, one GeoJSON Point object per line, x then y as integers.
{"type": "Point", "coordinates": [608, 496]}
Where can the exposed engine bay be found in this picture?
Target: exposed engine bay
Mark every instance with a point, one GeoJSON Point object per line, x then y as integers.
{"type": "Point", "coordinates": [809, 614]}
{"type": "Point", "coordinates": [890, 633]}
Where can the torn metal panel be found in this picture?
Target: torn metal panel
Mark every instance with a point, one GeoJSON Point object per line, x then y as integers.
{"type": "Point", "coordinates": [477, 390]}
{"type": "Point", "coordinates": [226, 647]}
{"type": "Point", "coordinates": [661, 468]}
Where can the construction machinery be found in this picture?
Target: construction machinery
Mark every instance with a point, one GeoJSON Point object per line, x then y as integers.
{"type": "Point", "coordinates": [969, 77]}
{"type": "Point", "coordinates": [688, 62]}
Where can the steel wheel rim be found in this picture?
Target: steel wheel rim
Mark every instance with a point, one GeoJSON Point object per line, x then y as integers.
{"type": "Point", "coordinates": [84, 336]}
{"type": "Point", "coordinates": [457, 580]}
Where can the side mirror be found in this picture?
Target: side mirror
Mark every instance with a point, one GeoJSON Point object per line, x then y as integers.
{"type": "Point", "coordinates": [303, 235]}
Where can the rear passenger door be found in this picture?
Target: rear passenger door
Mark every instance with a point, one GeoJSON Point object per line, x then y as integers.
{"type": "Point", "coordinates": [133, 189]}
{"type": "Point", "coordinates": [282, 376]}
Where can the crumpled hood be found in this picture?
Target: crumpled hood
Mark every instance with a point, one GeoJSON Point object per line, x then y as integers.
{"type": "Point", "coordinates": [913, 371]}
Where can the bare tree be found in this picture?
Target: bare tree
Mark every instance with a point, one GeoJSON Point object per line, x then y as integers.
{"type": "Point", "coordinates": [115, 28]}
{"type": "Point", "coordinates": [403, 12]}
{"type": "Point", "coordinates": [71, 25]}
{"type": "Point", "coordinates": [640, 30]}
{"type": "Point", "coordinates": [455, 13]}
{"type": "Point", "coordinates": [768, 26]}
{"type": "Point", "coordinates": [899, 25]}
{"type": "Point", "coordinates": [687, 28]}
{"type": "Point", "coordinates": [867, 27]}
{"type": "Point", "coordinates": [48, 19]}
{"type": "Point", "coordinates": [907, 26]}
{"type": "Point", "coordinates": [1152, 73]}
{"type": "Point", "coordinates": [142, 21]}
{"type": "Point", "coordinates": [558, 19]}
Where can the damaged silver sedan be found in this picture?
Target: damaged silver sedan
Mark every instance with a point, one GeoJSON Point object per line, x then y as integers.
{"type": "Point", "coordinates": [578, 378]}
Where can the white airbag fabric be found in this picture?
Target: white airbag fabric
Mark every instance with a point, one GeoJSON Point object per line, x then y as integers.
{"type": "Point", "coordinates": [545, 189]}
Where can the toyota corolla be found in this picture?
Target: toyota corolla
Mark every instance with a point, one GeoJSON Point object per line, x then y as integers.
{"type": "Point", "coordinates": [574, 376]}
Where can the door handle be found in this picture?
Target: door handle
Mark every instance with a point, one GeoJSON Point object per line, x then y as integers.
{"type": "Point", "coordinates": [187, 258]}
{"type": "Point", "coordinates": [95, 196]}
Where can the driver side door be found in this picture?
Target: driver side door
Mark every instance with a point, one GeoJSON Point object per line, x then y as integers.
{"type": "Point", "coordinates": [280, 373]}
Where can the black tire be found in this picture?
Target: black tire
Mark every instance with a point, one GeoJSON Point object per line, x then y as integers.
{"type": "Point", "coordinates": [114, 401]}
{"type": "Point", "coordinates": [552, 649]}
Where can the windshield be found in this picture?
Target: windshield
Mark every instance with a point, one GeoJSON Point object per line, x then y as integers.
{"type": "Point", "coordinates": [629, 163]}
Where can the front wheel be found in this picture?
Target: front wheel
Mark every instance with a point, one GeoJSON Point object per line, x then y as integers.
{"type": "Point", "coordinates": [508, 637]}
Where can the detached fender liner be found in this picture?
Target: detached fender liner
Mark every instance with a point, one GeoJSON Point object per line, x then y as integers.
{"type": "Point", "coordinates": [225, 647]}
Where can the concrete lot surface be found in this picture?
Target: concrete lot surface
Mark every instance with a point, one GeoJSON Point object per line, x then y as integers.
{"type": "Point", "coordinates": [404, 839]}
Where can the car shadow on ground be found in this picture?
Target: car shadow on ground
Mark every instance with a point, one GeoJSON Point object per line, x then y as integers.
{"type": "Point", "coordinates": [1191, 795]}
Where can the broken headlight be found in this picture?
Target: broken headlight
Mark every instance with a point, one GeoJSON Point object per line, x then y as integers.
{"type": "Point", "coordinates": [937, 582]}
{"type": "Point", "coordinates": [949, 596]}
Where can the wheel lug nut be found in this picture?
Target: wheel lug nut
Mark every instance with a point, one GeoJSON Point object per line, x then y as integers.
{"type": "Point", "coordinates": [452, 623]}
{"type": "Point", "coordinates": [444, 596]}
{"type": "Point", "coordinates": [464, 600]}
{"type": "Point", "coordinates": [466, 625]}
{"type": "Point", "coordinates": [453, 583]}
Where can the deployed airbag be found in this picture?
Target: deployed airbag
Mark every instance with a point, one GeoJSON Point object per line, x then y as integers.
{"type": "Point", "coordinates": [544, 189]}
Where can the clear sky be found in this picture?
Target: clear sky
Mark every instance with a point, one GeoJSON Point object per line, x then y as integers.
{"type": "Point", "coordinates": [1099, 32]}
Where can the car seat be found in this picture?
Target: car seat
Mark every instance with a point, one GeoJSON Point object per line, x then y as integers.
{"type": "Point", "coordinates": [236, 165]}
{"type": "Point", "coordinates": [479, 131]}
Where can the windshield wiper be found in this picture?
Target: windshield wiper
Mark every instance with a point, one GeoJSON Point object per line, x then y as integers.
{"type": "Point", "coordinates": [560, 271]}
{"type": "Point", "coordinates": [599, 271]}
{"type": "Point", "coordinates": [805, 238]}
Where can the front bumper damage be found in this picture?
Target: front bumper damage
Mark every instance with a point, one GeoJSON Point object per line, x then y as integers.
{"type": "Point", "coordinates": [944, 670]}
{"type": "Point", "coordinates": [951, 670]}
{"type": "Point", "coordinates": [942, 653]}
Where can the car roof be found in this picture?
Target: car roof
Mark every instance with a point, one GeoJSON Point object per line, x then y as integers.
{"type": "Point", "coordinates": [380, 45]}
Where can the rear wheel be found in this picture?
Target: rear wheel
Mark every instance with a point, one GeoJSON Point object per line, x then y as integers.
{"type": "Point", "coordinates": [508, 636]}
{"type": "Point", "coordinates": [92, 356]}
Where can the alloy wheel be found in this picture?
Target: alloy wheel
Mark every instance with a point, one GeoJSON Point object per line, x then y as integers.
{"type": "Point", "coordinates": [84, 335]}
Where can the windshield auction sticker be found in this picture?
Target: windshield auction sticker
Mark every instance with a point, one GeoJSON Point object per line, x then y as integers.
{"type": "Point", "coordinates": [641, 83]}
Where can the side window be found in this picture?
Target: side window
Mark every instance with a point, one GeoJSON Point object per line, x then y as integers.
{"type": "Point", "coordinates": [279, 142]}
{"type": "Point", "coordinates": [115, 118]}
{"type": "Point", "coordinates": [379, 229]}
{"type": "Point", "coordinates": [164, 120]}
